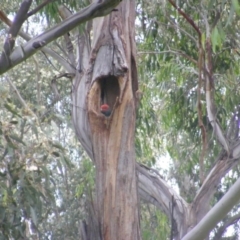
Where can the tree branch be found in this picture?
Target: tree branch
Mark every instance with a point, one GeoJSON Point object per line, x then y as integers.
{"type": "Point", "coordinates": [224, 163]}
{"type": "Point", "coordinates": [27, 108]}
{"type": "Point", "coordinates": [189, 20]}
{"type": "Point", "coordinates": [218, 212]}
{"type": "Point", "coordinates": [38, 83]}
{"type": "Point", "coordinates": [21, 53]}
{"type": "Point", "coordinates": [39, 7]}
{"type": "Point", "coordinates": [13, 31]}
{"type": "Point", "coordinates": [228, 223]}
{"type": "Point", "coordinates": [22, 101]}
{"type": "Point", "coordinates": [202, 199]}
{"type": "Point", "coordinates": [211, 110]}
{"type": "Point", "coordinates": [45, 50]}
{"type": "Point", "coordinates": [65, 13]}
{"type": "Point", "coordinates": [152, 188]}
{"type": "Point", "coordinates": [236, 150]}
{"type": "Point", "coordinates": [177, 52]}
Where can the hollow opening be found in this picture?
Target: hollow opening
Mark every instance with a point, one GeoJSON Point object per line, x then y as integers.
{"type": "Point", "coordinates": [109, 90]}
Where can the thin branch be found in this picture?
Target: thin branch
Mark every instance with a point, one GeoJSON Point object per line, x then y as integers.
{"type": "Point", "coordinates": [57, 96]}
{"type": "Point", "coordinates": [217, 18]}
{"type": "Point", "coordinates": [211, 109]}
{"type": "Point", "coordinates": [64, 12]}
{"type": "Point", "coordinates": [39, 7]}
{"type": "Point", "coordinates": [5, 19]}
{"type": "Point", "coordinates": [38, 85]}
{"type": "Point", "coordinates": [232, 133]}
{"type": "Point", "coordinates": [230, 221]}
{"type": "Point", "coordinates": [28, 109]}
{"type": "Point", "coordinates": [177, 27]}
{"type": "Point", "coordinates": [189, 20]}
{"type": "Point", "coordinates": [199, 111]}
{"type": "Point", "coordinates": [170, 51]}
{"type": "Point", "coordinates": [22, 101]}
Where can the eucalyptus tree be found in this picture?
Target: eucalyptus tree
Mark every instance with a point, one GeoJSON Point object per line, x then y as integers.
{"type": "Point", "coordinates": [100, 58]}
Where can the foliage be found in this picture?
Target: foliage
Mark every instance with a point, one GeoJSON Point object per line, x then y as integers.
{"type": "Point", "coordinates": [155, 224]}
{"type": "Point", "coordinates": [168, 57]}
{"type": "Point", "coordinates": [40, 171]}
{"type": "Point", "coordinates": [43, 187]}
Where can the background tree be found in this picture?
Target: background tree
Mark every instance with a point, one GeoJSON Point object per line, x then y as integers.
{"type": "Point", "coordinates": [188, 71]}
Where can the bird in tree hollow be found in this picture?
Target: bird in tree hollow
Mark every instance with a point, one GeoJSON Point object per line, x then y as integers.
{"type": "Point", "coordinates": [105, 109]}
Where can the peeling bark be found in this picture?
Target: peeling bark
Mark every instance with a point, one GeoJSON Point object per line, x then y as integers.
{"type": "Point", "coordinates": [110, 78]}
{"type": "Point", "coordinates": [106, 74]}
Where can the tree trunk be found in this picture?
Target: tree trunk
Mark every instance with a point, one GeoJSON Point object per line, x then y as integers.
{"type": "Point", "coordinates": [110, 78]}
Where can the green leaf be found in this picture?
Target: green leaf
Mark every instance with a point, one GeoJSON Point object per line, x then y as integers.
{"type": "Point", "coordinates": [10, 143]}
{"type": "Point", "coordinates": [236, 6]}
{"type": "Point", "coordinates": [56, 154]}
{"type": "Point", "coordinates": [16, 138]}
{"type": "Point", "coordinates": [230, 16]}
{"type": "Point", "coordinates": [11, 108]}
{"type": "Point", "coordinates": [35, 130]}
{"type": "Point", "coordinates": [216, 39]}
{"type": "Point", "coordinates": [57, 145]}
{"type": "Point", "coordinates": [46, 173]}
{"type": "Point", "coordinates": [65, 161]}
{"type": "Point", "coordinates": [14, 122]}
{"type": "Point", "coordinates": [80, 189]}
{"type": "Point", "coordinates": [2, 214]}
{"type": "Point", "coordinates": [68, 161]}
{"type": "Point", "coordinates": [33, 215]}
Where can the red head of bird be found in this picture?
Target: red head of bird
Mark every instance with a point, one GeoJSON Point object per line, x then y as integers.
{"type": "Point", "coordinates": [105, 109]}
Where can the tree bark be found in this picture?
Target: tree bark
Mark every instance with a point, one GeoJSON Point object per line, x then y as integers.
{"type": "Point", "coordinates": [106, 74]}
{"type": "Point", "coordinates": [110, 78]}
